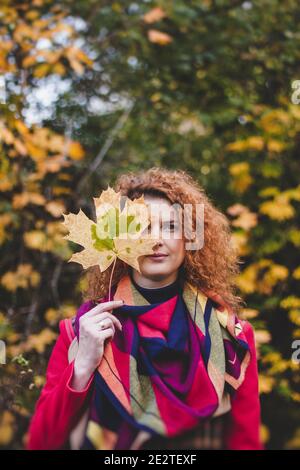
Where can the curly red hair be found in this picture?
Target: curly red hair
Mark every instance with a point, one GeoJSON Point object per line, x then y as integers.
{"type": "Point", "coordinates": [212, 267]}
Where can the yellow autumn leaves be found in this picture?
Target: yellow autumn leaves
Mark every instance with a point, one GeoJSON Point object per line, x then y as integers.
{"type": "Point", "coordinates": [30, 28]}
{"type": "Point", "coordinates": [261, 277]}
{"type": "Point", "coordinates": [275, 128]}
{"type": "Point", "coordinates": [47, 237]}
{"type": "Point", "coordinates": [280, 207]}
{"type": "Point", "coordinates": [23, 277]}
{"type": "Point", "coordinates": [156, 36]}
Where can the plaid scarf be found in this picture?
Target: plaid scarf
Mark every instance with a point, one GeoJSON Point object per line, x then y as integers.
{"type": "Point", "coordinates": [173, 365]}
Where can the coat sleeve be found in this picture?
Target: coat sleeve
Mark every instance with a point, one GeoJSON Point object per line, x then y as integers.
{"type": "Point", "coordinates": [59, 406]}
{"type": "Point", "coordinates": [244, 426]}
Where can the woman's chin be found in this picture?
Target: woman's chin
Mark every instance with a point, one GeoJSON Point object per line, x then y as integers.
{"type": "Point", "coordinates": [155, 272]}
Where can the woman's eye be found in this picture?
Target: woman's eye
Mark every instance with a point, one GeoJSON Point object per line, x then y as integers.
{"type": "Point", "coordinates": [169, 226]}
{"type": "Point", "coordinates": [165, 227]}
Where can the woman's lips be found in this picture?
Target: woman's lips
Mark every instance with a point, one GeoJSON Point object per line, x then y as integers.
{"type": "Point", "coordinates": [157, 257]}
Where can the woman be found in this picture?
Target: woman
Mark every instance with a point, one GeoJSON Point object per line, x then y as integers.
{"type": "Point", "coordinates": [165, 362]}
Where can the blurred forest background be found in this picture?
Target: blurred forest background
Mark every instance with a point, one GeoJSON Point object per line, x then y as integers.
{"type": "Point", "coordinates": [92, 88]}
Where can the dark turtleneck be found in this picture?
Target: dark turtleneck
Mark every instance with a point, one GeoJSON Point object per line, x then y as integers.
{"type": "Point", "coordinates": [159, 294]}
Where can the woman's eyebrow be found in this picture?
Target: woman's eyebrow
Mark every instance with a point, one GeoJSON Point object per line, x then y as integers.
{"type": "Point", "coordinates": [173, 219]}
{"type": "Point", "coordinates": [168, 221]}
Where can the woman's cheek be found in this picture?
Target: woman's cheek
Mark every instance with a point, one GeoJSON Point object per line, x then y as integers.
{"type": "Point", "coordinates": [176, 247]}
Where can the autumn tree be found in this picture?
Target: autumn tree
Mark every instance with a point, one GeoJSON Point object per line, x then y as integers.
{"type": "Point", "coordinates": [38, 40]}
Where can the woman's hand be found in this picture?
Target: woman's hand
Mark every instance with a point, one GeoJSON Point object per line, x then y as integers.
{"type": "Point", "coordinates": [97, 325]}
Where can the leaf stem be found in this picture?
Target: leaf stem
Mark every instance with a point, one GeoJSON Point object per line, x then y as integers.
{"type": "Point", "coordinates": [110, 280]}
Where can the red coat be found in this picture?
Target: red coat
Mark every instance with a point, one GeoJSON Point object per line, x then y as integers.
{"type": "Point", "coordinates": [59, 407]}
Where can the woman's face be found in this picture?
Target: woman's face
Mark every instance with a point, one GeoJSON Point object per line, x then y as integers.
{"type": "Point", "coordinates": [165, 228]}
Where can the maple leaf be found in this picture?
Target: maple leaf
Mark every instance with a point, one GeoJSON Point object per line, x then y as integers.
{"type": "Point", "coordinates": [117, 233]}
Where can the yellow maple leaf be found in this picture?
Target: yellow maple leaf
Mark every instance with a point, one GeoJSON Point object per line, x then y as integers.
{"type": "Point", "coordinates": [117, 233]}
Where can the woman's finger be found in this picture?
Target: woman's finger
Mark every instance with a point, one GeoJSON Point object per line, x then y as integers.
{"type": "Point", "coordinates": [103, 315]}
{"type": "Point", "coordinates": [103, 307]}
{"type": "Point", "coordinates": [106, 323]}
{"type": "Point", "coordinates": [108, 333]}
